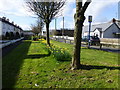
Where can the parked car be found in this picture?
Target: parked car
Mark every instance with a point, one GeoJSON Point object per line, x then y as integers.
{"type": "Point", "coordinates": [94, 40]}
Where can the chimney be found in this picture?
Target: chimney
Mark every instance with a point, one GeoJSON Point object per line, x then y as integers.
{"type": "Point", "coordinates": [12, 22]}
{"type": "Point", "coordinates": [4, 18]}
{"type": "Point", "coordinates": [8, 20]}
{"type": "Point", "coordinates": [113, 20]}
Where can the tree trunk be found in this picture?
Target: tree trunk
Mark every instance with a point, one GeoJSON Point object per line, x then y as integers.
{"type": "Point", "coordinates": [77, 44]}
{"type": "Point", "coordinates": [79, 19]}
{"type": "Point", "coordinates": [47, 35]}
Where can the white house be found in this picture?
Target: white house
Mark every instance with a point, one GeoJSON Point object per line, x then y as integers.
{"type": "Point", "coordinates": [105, 30]}
{"type": "Point", "coordinates": [9, 27]}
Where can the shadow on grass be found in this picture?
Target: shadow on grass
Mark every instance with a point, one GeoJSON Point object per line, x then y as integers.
{"type": "Point", "coordinates": [12, 63]}
{"type": "Point", "coordinates": [38, 56]}
{"type": "Point", "coordinates": [89, 67]}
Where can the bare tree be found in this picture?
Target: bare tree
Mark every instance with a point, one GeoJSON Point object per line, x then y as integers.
{"type": "Point", "coordinates": [79, 20]}
{"type": "Point", "coordinates": [37, 28]}
{"type": "Point", "coordinates": [46, 11]}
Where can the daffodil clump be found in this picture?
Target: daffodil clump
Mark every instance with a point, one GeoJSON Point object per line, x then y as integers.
{"type": "Point", "coordinates": [43, 41]}
{"type": "Point", "coordinates": [35, 38]}
{"type": "Point", "coordinates": [59, 53]}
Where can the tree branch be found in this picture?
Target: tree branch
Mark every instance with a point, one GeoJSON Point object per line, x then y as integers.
{"type": "Point", "coordinates": [85, 6]}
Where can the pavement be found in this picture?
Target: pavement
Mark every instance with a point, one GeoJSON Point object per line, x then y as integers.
{"type": "Point", "coordinates": [108, 49]}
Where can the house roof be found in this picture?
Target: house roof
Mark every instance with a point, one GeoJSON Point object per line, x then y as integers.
{"type": "Point", "coordinates": [101, 27]}
{"type": "Point", "coordinates": [118, 23]}
{"type": "Point", "coordinates": [7, 21]}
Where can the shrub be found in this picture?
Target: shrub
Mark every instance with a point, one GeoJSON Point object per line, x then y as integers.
{"type": "Point", "coordinates": [7, 35]}
{"type": "Point", "coordinates": [35, 38]}
{"type": "Point", "coordinates": [22, 35]}
{"type": "Point", "coordinates": [17, 35]}
{"type": "Point", "coordinates": [11, 35]}
{"type": "Point", "coordinates": [2, 37]}
{"type": "Point", "coordinates": [43, 37]}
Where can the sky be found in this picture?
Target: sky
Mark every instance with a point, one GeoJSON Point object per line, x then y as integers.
{"type": "Point", "coordinates": [17, 11]}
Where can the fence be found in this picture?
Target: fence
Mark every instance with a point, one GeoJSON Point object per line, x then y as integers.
{"type": "Point", "coordinates": [110, 42]}
{"type": "Point", "coordinates": [107, 42]}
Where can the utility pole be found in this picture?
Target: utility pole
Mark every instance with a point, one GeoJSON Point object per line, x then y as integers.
{"type": "Point", "coordinates": [55, 24]}
{"type": "Point", "coordinates": [89, 20]}
{"type": "Point", "coordinates": [119, 10]}
{"type": "Point", "coordinates": [63, 27]}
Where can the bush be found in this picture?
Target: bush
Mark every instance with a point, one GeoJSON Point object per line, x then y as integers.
{"type": "Point", "coordinates": [11, 35]}
{"type": "Point", "coordinates": [2, 37]}
{"type": "Point", "coordinates": [7, 35]}
{"type": "Point", "coordinates": [35, 37]}
{"type": "Point", "coordinates": [22, 35]}
{"type": "Point", "coordinates": [43, 37]}
{"type": "Point", "coordinates": [17, 35]}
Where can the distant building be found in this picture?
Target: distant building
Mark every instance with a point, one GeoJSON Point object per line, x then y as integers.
{"type": "Point", "coordinates": [9, 27]}
{"type": "Point", "coordinates": [65, 32]}
{"type": "Point", "coordinates": [28, 33]}
{"type": "Point", "coordinates": [104, 30]}
{"type": "Point", "coordinates": [119, 10]}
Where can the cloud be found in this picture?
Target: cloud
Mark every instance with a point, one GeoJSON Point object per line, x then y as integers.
{"type": "Point", "coordinates": [15, 7]}
{"type": "Point", "coordinates": [94, 9]}
{"type": "Point", "coordinates": [25, 27]}
{"type": "Point", "coordinates": [18, 8]}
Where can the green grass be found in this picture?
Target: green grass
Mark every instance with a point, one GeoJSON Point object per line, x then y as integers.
{"type": "Point", "coordinates": [31, 66]}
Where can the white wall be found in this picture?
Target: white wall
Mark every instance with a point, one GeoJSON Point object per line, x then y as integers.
{"type": "Point", "coordinates": [97, 32]}
{"type": "Point", "coordinates": [11, 28]}
{"type": "Point", "coordinates": [0, 28]}
{"type": "Point", "coordinates": [8, 28]}
{"type": "Point", "coordinates": [86, 34]}
{"type": "Point", "coordinates": [109, 32]}
{"type": "Point", "coordinates": [4, 28]}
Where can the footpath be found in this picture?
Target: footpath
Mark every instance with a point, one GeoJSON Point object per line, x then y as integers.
{"type": "Point", "coordinates": [108, 49]}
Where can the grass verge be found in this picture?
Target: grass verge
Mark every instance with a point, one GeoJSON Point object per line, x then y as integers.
{"type": "Point", "coordinates": [31, 66]}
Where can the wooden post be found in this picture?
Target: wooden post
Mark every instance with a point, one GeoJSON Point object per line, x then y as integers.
{"type": "Point", "coordinates": [70, 41]}
{"type": "Point", "coordinates": [100, 46]}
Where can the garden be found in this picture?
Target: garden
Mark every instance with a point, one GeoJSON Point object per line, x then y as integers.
{"type": "Point", "coordinates": [33, 64]}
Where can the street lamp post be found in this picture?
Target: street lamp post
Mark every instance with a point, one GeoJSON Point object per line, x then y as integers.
{"type": "Point", "coordinates": [55, 24]}
{"type": "Point", "coordinates": [89, 20]}
{"type": "Point", "coordinates": [63, 27]}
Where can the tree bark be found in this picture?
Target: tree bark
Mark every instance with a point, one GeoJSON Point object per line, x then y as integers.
{"type": "Point", "coordinates": [79, 20]}
{"type": "Point", "coordinates": [47, 34]}
{"type": "Point", "coordinates": [77, 42]}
